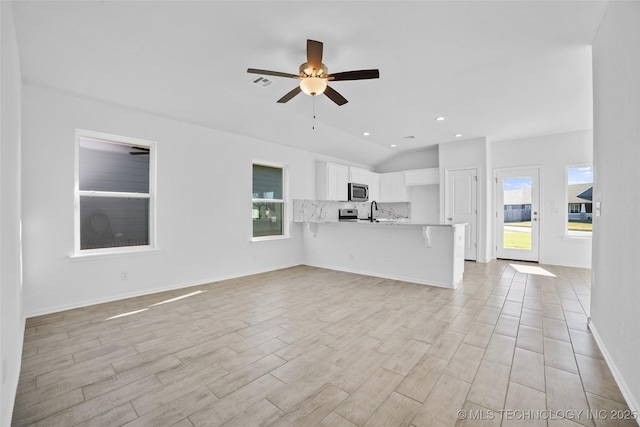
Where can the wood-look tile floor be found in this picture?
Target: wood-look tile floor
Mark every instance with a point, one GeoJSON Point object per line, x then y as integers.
{"type": "Point", "coordinates": [306, 346]}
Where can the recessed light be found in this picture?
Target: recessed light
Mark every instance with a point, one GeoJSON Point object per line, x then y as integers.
{"type": "Point", "coordinates": [366, 133]}
{"type": "Point", "coordinates": [439, 118]}
{"type": "Point", "coordinates": [394, 145]}
{"type": "Point", "coordinates": [458, 135]}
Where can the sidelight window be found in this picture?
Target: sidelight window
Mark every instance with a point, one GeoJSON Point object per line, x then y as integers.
{"type": "Point", "coordinates": [114, 195]}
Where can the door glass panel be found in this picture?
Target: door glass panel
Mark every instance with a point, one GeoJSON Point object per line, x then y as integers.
{"type": "Point", "coordinates": [517, 213]}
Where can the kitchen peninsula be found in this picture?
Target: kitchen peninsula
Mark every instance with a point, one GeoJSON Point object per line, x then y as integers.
{"type": "Point", "coordinates": [394, 247]}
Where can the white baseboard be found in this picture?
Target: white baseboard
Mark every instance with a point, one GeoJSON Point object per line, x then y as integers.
{"type": "Point", "coordinates": [87, 303]}
{"type": "Point", "coordinates": [632, 402]}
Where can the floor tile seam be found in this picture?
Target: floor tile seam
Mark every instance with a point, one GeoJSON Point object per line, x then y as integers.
{"type": "Point", "coordinates": [303, 402]}
{"type": "Point", "coordinates": [593, 392]}
{"type": "Point", "coordinates": [34, 340]}
{"type": "Point", "coordinates": [210, 383]}
{"type": "Point", "coordinates": [604, 397]}
{"type": "Point", "coordinates": [71, 368]}
{"type": "Point", "coordinates": [527, 385]}
{"type": "Point", "coordinates": [55, 413]}
{"type": "Point", "coordinates": [189, 358]}
{"type": "Point", "coordinates": [50, 398]}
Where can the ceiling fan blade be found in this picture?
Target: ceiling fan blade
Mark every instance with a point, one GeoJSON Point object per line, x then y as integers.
{"type": "Point", "coordinates": [335, 96]}
{"type": "Point", "coordinates": [290, 95]}
{"type": "Point", "coordinates": [272, 73]}
{"type": "Point", "coordinates": [355, 75]}
{"type": "Point", "coordinates": [314, 54]}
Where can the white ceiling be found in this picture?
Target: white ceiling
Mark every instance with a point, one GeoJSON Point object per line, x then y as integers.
{"type": "Point", "coordinates": [496, 69]}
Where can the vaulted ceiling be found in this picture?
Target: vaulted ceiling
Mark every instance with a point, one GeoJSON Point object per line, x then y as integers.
{"type": "Point", "coordinates": [496, 69]}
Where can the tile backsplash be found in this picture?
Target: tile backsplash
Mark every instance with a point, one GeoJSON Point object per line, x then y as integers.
{"type": "Point", "coordinates": [327, 210]}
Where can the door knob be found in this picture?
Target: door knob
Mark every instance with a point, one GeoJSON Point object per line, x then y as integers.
{"type": "Point", "coordinates": [450, 218]}
{"type": "Point", "coordinates": [535, 213]}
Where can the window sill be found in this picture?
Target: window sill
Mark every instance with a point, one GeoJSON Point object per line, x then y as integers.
{"type": "Point", "coordinates": [268, 238]}
{"type": "Point", "coordinates": [576, 238]}
{"type": "Point", "coordinates": [113, 254]}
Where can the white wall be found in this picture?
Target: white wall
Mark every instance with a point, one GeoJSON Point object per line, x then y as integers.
{"type": "Point", "coordinates": [553, 153]}
{"type": "Point", "coordinates": [468, 154]}
{"type": "Point", "coordinates": [425, 203]}
{"type": "Point", "coordinates": [415, 159]}
{"type": "Point", "coordinates": [11, 312]}
{"type": "Point", "coordinates": [615, 294]}
{"type": "Point", "coordinates": [203, 204]}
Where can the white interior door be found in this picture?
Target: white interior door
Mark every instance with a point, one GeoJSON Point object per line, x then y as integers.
{"type": "Point", "coordinates": [517, 214]}
{"type": "Point", "coordinates": [462, 206]}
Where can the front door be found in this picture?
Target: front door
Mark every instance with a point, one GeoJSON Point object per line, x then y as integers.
{"type": "Point", "coordinates": [517, 214]}
{"type": "Point", "coordinates": [461, 206]}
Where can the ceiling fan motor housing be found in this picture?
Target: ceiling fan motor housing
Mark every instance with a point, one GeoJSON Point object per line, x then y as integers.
{"type": "Point", "coordinates": [307, 70]}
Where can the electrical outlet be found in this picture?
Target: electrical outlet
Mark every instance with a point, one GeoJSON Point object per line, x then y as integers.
{"type": "Point", "coordinates": [124, 275]}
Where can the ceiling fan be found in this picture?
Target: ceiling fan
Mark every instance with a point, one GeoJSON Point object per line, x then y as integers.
{"type": "Point", "coordinates": [313, 76]}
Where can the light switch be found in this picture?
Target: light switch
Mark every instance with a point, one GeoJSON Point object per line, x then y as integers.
{"type": "Point", "coordinates": [597, 208]}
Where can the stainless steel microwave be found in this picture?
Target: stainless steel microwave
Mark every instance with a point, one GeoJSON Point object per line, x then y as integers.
{"type": "Point", "coordinates": [358, 192]}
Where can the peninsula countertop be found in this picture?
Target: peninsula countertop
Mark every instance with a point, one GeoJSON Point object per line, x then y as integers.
{"type": "Point", "coordinates": [379, 222]}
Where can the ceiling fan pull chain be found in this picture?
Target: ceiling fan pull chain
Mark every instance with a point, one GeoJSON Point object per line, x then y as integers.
{"type": "Point", "coordinates": [313, 126]}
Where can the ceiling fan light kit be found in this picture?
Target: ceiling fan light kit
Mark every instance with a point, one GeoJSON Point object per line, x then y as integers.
{"type": "Point", "coordinates": [313, 85]}
{"type": "Point", "coordinates": [313, 76]}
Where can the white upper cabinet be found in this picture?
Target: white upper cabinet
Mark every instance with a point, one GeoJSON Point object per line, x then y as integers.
{"type": "Point", "coordinates": [422, 176]}
{"type": "Point", "coordinates": [392, 187]}
{"type": "Point", "coordinates": [331, 181]}
{"type": "Point", "coordinates": [363, 176]}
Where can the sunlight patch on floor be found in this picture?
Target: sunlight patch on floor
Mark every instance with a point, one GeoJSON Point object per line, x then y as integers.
{"type": "Point", "coordinates": [158, 303]}
{"type": "Point", "coordinates": [177, 298]}
{"type": "Point", "coordinates": [127, 314]}
{"type": "Point", "coordinates": [531, 269]}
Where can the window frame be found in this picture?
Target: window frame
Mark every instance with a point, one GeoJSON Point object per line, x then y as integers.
{"type": "Point", "coordinates": [151, 195]}
{"type": "Point", "coordinates": [567, 232]}
{"type": "Point", "coordinates": [284, 201]}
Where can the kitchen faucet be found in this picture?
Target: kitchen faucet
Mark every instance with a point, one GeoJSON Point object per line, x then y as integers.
{"type": "Point", "coordinates": [372, 202]}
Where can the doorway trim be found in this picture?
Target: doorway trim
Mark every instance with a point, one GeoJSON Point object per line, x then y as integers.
{"type": "Point", "coordinates": [515, 169]}
{"type": "Point", "coordinates": [445, 202]}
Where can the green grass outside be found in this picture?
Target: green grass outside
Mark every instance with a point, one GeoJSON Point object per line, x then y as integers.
{"type": "Point", "coordinates": [578, 226]}
{"type": "Point", "coordinates": [581, 226]}
{"type": "Point", "coordinates": [522, 240]}
{"type": "Point", "coordinates": [517, 240]}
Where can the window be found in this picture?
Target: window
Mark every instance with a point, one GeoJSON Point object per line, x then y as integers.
{"type": "Point", "coordinates": [579, 201]}
{"type": "Point", "coordinates": [114, 196]}
{"type": "Point", "coordinates": [268, 211]}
